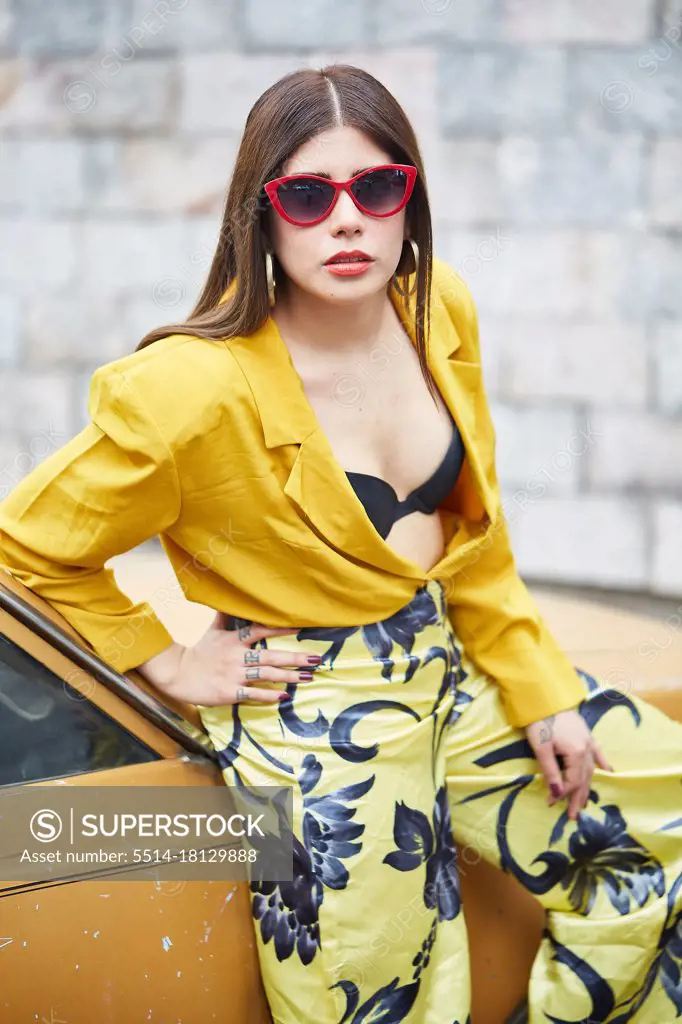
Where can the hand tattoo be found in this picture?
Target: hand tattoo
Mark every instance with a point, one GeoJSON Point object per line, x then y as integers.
{"type": "Point", "coordinates": [547, 730]}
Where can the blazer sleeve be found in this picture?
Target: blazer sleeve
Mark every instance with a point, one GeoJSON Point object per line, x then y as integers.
{"type": "Point", "coordinates": [111, 487]}
{"type": "Point", "coordinates": [489, 605]}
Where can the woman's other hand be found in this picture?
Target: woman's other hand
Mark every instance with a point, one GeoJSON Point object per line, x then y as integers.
{"type": "Point", "coordinates": [568, 735]}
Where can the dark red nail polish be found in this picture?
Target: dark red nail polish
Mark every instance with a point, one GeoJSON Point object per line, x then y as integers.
{"type": "Point", "coordinates": [305, 675]}
{"type": "Point", "coordinates": [282, 696]}
{"type": "Point", "coordinates": [555, 790]}
{"type": "Point", "coordinates": [314, 659]}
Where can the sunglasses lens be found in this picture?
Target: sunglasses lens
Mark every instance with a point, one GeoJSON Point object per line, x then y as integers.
{"type": "Point", "coordinates": [381, 191]}
{"type": "Point", "coordinates": [305, 199]}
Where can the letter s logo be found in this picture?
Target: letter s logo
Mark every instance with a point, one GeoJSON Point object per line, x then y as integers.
{"type": "Point", "coordinates": [46, 825]}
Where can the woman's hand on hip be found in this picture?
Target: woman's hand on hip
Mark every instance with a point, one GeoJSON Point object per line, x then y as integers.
{"type": "Point", "coordinates": [566, 734]}
{"type": "Point", "coordinates": [224, 668]}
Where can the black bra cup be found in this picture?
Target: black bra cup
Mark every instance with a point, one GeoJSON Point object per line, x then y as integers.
{"type": "Point", "coordinates": [381, 501]}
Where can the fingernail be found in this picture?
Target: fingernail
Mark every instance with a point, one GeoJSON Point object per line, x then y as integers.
{"type": "Point", "coordinates": [282, 696]}
{"type": "Point", "coordinates": [555, 791]}
{"type": "Point", "coordinates": [305, 675]}
{"type": "Point", "coordinates": [314, 659]}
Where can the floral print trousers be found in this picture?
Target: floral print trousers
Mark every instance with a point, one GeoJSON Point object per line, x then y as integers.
{"type": "Point", "coordinates": [399, 754]}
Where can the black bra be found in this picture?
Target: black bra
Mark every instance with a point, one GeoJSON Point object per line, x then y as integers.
{"type": "Point", "coordinates": [381, 501]}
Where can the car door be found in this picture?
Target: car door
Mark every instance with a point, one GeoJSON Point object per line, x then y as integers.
{"type": "Point", "coordinates": [78, 950]}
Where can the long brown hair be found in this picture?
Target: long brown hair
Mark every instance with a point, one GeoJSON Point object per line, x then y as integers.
{"type": "Point", "coordinates": [288, 114]}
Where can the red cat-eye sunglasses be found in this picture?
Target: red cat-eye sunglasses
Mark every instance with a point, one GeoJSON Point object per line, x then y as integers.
{"type": "Point", "coordinates": [306, 199]}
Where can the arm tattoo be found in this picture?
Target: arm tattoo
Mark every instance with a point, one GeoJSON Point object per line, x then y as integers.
{"type": "Point", "coordinates": [547, 729]}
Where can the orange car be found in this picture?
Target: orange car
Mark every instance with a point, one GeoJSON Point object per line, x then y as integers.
{"type": "Point", "coordinates": [183, 952]}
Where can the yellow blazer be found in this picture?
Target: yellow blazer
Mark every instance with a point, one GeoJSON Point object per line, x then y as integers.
{"type": "Point", "coordinates": [214, 447]}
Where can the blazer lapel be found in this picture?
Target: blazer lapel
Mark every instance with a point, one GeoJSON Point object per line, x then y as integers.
{"type": "Point", "coordinates": [317, 484]}
{"type": "Point", "coordinates": [460, 385]}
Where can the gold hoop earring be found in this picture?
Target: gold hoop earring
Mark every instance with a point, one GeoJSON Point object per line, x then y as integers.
{"type": "Point", "coordinates": [270, 275]}
{"type": "Point", "coordinates": [415, 253]}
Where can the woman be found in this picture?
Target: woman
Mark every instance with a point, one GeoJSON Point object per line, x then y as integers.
{"type": "Point", "coordinates": [315, 449]}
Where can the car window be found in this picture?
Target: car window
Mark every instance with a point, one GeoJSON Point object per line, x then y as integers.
{"type": "Point", "coordinates": [50, 730]}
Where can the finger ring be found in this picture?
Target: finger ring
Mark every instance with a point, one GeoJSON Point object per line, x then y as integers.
{"type": "Point", "coordinates": [251, 657]}
{"type": "Point", "coordinates": [253, 673]}
{"type": "Point", "coordinates": [241, 693]}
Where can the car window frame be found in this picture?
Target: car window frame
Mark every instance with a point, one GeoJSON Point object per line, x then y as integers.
{"type": "Point", "coordinates": [153, 710]}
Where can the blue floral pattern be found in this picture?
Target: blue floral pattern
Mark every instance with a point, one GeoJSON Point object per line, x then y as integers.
{"type": "Point", "coordinates": [418, 844]}
{"type": "Point", "coordinates": [603, 855]}
{"type": "Point", "coordinates": [289, 911]}
{"type": "Point", "coordinates": [390, 1004]}
{"type": "Point", "coordinates": [348, 834]}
